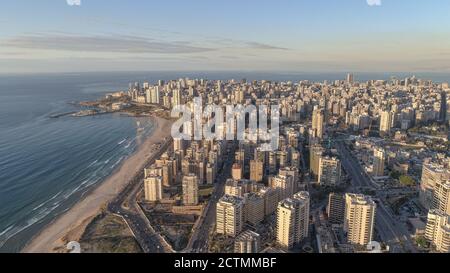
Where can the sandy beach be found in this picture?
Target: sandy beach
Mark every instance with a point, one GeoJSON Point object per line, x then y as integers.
{"type": "Point", "coordinates": [71, 225]}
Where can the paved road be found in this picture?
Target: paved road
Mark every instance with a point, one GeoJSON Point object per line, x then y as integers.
{"type": "Point", "coordinates": [199, 241]}
{"type": "Point", "coordinates": [391, 231]}
{"type": "Point", "coordinates": [125, 205]}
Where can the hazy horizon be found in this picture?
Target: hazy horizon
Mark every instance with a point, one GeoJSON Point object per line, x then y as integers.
{"type": "Point", "coordinates": [312, 36]}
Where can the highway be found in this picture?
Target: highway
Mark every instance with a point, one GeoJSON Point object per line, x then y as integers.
{"type": "Point", "coordinates": [126, 206]}
{"type": "Point", "coordinates": [392, 232]}
{"type": "Point", "coordinates": [199, 240]}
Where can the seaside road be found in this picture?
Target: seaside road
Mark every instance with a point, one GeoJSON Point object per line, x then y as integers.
{"type": "Point", "coordinates": [125, 205]}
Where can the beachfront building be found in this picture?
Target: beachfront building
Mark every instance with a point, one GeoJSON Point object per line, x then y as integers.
{"type": "Point", "coordinates": [153, 188]}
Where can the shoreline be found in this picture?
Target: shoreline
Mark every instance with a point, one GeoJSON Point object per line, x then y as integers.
{"type": "Point", "coordinates": [70, 225]}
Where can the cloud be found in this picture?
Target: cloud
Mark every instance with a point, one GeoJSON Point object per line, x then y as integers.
{"type": "Point", "coordinates": [257, 45]}
{"type": "Point", "coordinates": [116, 44]}
{"type": "Point", "coordinates": [73, 2]}
{"type": "Point", "coordinates": [374, 2]}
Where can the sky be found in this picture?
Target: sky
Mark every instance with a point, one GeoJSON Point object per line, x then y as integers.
{"type": "Point", "coordinates": [239, 35]}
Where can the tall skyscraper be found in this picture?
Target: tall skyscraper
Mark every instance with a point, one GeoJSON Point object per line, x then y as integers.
{"type": "Point", "coordinates": [386, 122]}
{"type": "Point", "coordinates": [210, 173]}
{"type": "Point", "coordinates": [178, 144]}
{"type": "Point", "coordinates": [270, 200]}
{"type": "Point", "coordinates": [336, 208]}
{"type": "Point", "coordinates": [329, 171]}
{"type": "Point", "coordinates": [294, 172]}
{"type": "Point", "coordinates": [248, 242]}
{"type": "Point", "coordinates": [190, 190]}
{"type": "Point", "coordinates": [438, 230]}
{"type": "Point", "coordinates": [229, 215]}
{"type": "Point", "coordinates": [441, 196]}
{"type": "Point", "coordinates": [349, 78]}
{"type": "Point", "coordinates": [293, 220]}
{"type": "Point", "coordinates": [432, 174]}
{"type": "Point", "coordinates": [236, 171]}
{"type": "Point", "coordinates": [176, 97]}
{"type": "Point", "coordinates": [379, 155]}
{"type": "Point", "coordinates": [254, 208]}
{"type": "Point", "coordinates": [155, 95]}
{"type": "Point", "coordinates": [315, 153]}
{"type": "Point", "coordinates": [256, 170]}
{"type": "Point", "coordinates": [359, 218]}
{"type": "Point", "coordinates": [443, 109]}
{"type": "Point", "coordinates": [318, 123]}
{"type": "Point", "coordinates": [153, 188]}
{"type": "Point", "coordinates": [284, 184]}
{"type": "Point", "coordinates": [169, 170]}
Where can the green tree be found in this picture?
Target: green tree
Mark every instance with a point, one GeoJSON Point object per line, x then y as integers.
{"type": "Point", "coordinates": [421, 242]}
{"type": "Point", "coordinates": [407, 181]}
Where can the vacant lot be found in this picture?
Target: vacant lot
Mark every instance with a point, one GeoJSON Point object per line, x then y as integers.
{"type": "Point", "coordinates": [108, 234]}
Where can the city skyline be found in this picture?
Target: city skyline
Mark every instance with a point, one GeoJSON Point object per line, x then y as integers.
{"type": "Point", "coordinates": [225, 127]}
{"type": "Point", "coordinates": [310, 36]}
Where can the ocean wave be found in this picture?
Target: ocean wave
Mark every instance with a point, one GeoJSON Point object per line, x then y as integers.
{"type": "Point", "coordinates": [93, 163]}
{"type": "Point", "coordinates": [128, 145]}
{"type": "Point", "coordinates": [117, 163]}
{"type": "Point", "coordinates": [12, 231]}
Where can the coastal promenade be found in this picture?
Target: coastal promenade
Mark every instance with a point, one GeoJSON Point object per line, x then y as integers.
{"type": "Point", "coordinates": [126, 206]}
{"type": "Point", "coordinates": [71, 225]}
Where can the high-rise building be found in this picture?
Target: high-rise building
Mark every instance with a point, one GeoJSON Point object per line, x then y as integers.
{"type": "Point", "coordinates": [293, 220]}
{"type": "Point", "coordinates": [443, 109]}
{"type": "Point", "coordinates": [254, 208]}
{"type": "Point", "coordinates": [359, 218]}
{"type": "Point", "coordinates": [438, 230]}
{"type": "Point", "coordinates": [256, 170]}
{"type": "Point", "coordinates": [229, 215]}
{"type": "Point", "coordinates": [329, 171]}
{"type": "Point", "coordinates": [294, 172]}
{"type": "Point", "coordinates": [155, 95]}
{"type": "Point", "coordinates": [210, 174]}
{"type": "Point", "coordinates": [236, 171]}
{"type": "Point", "coordinates": [315, 153]}
{"type": "Point", "coordinates": [178, 144]}
{"type": "Point", "coordinates": [349, 78]}
{"type": "Point", "coordinates": [176, 97]}
{"type": "Point", "coordinates": [293, 138]}
{"type": "Point", "coordinates": [153, 188]}
{"type": "Point", "coordinates": [386, 122]}
{"type": "Point", "coordinates": [318, 123]}
{"type": "Point", "coordinates": [169, 170]}
{"type": "Point", "coordinates": [441, 196]}
{"type": "Point", "coordinates": [190, 190]}
{"type": "Point", "coordinates": [270, 200]}
{"type": "Point", "coordinates": [284, 184]}
{"type": "Point", "coordinates": [432, 174]}
{"type": "Point", "coordinates": [248, 242]}
{"type": "Point", "coordinates": [336, 208]}
{"type": "Point", "coordinates": [239, 187]}
{"type": "Point", "coordinates": [379, 155]}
